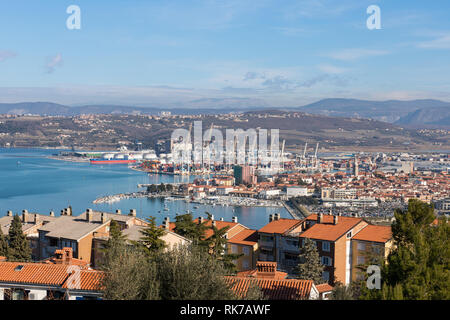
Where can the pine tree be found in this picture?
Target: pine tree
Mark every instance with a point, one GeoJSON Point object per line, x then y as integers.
{"type": "Point", "coordinates": [151, 241]}
{"type": "Point", "coordinates": [216, 245]}
{"type": "Point", "coordinates": [19, 248]}
{"type": "Point", "coordinates": [186, 227]}
{"type": "Point", "coordinates": [309, 266]}
{"type": "Point", "coordinates": [418, 266]}
{"type": "Point", "coordinates": [3, 244]}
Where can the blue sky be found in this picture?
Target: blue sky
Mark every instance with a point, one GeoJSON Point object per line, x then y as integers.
{"type": "Point", "coordinates": [244, 52]}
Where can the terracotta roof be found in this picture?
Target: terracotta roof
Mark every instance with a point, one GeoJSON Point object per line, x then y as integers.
{"type": "Point", "coordinates": [46, 274]}
{"type": "Point", "coordinates": [327, 230]}
{"type": "Point", "coordinates": [285, 289]}
{"type": "Point", "coordinates": [280, 226]}
{"type": "Point", "coordinates": [264, 270]}
{"type": "Point", "coordinates": [33, 273]}
{"type": "Point", "coordinates": [219, 225]}
{"type": "Point", "coordinates": [90, 280]}
{"type": "Point", "coordinates": [374, 234]}
{"type": "Point", "coordinates": [246, 237]}
{"type": "Point", "coordinates": [324, 287]}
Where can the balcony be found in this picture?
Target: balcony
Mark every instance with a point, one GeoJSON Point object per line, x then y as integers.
{"type": "Point", "coordinates": [266, 257]}
{"type": "Point", "coordinates": [267, 244]}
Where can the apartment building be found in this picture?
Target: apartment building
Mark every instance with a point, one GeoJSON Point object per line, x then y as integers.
{"type": "Point", "coordinates": [274, 241]}
{"type": "Point", "coordinates": [31, 222]}
{"type": "Point", "coordinates": [83, 233]}
{"type": "Point", "coordinates": [368, 245]}
{"type": "Point", "coordinates": [281, 239]}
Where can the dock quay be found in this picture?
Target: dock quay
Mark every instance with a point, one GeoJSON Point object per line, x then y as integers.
{"type": "Point", "coordinates": [296, 214]}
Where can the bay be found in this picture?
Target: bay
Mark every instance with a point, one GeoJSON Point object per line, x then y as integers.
{"type": "Point", "coordinates": [31, 181]}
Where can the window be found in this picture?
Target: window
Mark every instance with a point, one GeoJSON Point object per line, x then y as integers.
{"type": "Point", "coordinates": [326, 276]}
{"type": "Point", "coordinates": [360, 260]}
{"type": "Point", "coordinates": [245, 265]}
{"type": "Point", "coordinates": [246, 251]}
{"type": "Point", "coordinates": [326, 261]}
{"type": "Point", "coordinates": [53, 242]}
{"type": "Point", "coordinates": [377, 249]}
{"type": "Point", "coordinates": [293, 243]}
{"type": "Point", "coordinates": [266, 238]}
{"type": "Point", "coordinates": [325, 246]}
{"type": "Point", "coordinates": [361, 246]}
{"type": "Point", "coordinates": [234, 249]}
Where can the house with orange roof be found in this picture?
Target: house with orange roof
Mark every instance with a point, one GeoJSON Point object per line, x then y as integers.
{"type": "Point", "coordinates": [47, 281]}
{"type": "Point", "coordinates": [240, 239]}
{"type": "Point", "coordinates": [273, 283]}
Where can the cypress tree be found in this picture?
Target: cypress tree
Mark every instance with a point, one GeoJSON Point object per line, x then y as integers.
{"type": "Point", "coordinates": [19, 248]}
{"type": "Point", "coordinates": [309, 266]}
{"type": "Point", "coordinates": [3, 244]}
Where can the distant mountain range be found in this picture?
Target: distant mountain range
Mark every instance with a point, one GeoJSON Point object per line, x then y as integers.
{"type": "Point", "coordinates": [415, 113]}
{"type": "Point", "coordinates": [393, 111]}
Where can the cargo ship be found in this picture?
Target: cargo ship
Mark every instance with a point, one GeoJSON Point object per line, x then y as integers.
{"type": "Point", "coordinates": [112, 161]}
{"type": "Point", "coordinates": [124, 157]}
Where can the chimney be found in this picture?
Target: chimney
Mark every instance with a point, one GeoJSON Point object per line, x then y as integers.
{"type": "Point", "coordinates": [9, 213]}
{"type": "Point", "coordinates": [200, 220]}
{"type": "Point", "coordinates": [24, 216]}
{"type": "Point", "coordinates": [65, 212]}
{"type": "Point", "coordinates": [213, 222]}
{"type": "Point", "coordinates": [52, 213]}
{"type": "Point", "coordinates": [270, 218]}
{"type": "Point", "coordinates": [234, 219]}
{"type": "Point", "coordinates": [62, 212]}
{"type": "Point", "coordinates": [132, 213]}
{"type": "Point", "coordinates": [89, 215]}
{"type": "Point", "coordinates": [36, 218]}
{"type": "Point", "coordinates": [335, 219]}
{"type": "Point", "coordinates": [68, 254]}
{"type": "Point", "coordinates": [221, 219]}
{"type": "Point", "coordinates": [118, 211]}
{"type": "Point", "coordinates": [212, 217]}
{"type": "Point", "coordinates": [104, 217]}
{"type": "Point", "coordinates": [167, 223]}
{"type": "Point", "coordinates": [276, 216]}
{"type": "Point", "coordinates": [320, 218]}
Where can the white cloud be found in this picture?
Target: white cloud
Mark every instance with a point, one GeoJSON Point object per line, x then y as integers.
{"type": "Point", "coordinates": [328, 68]}
{"type": "Point", "coordinates": [355, 54]}
{"type": "Point", "coordinates": [53, 62]}
{"type": "Point", "coordinates": [441, 42]}
{"type": "Point", "coordinates": [6, 54]}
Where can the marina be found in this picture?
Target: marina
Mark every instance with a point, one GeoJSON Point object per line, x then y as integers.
{"type": "Point", "coordinates": [41, 185]}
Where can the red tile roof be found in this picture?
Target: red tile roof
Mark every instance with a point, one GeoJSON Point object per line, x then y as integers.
{"type": "Point", "coordinates": [247, 237]}
{"type": "Point", "coordinates": [324, 287]}
{"type": "Point", "coordinates": [374, 234]}
{"type": "Point", "coordinates": [45, 274]}
{"type": "Point", "coordinates": [327, 230]}
{"type": "Point", "coordinates": [280, 226]}
{"type": "Point", "coordinates": [33, 273]}
{"type": "Point", "coordinates": [285, 289]}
